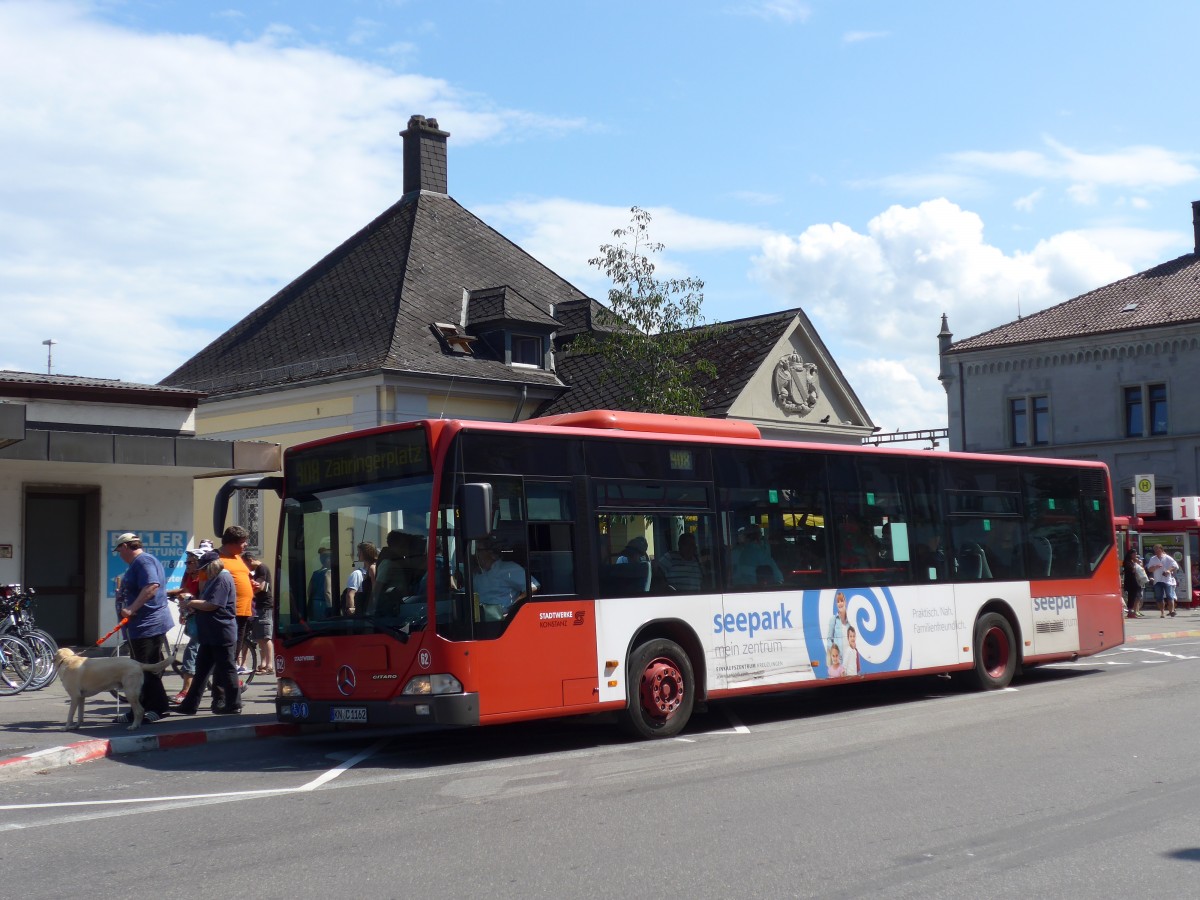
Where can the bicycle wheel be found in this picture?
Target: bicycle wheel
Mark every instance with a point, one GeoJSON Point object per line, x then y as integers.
{"type": "Point", "coordinates": [249, 656]}
{"type": "Point", "coordinates": [44, 648]}
{"type": "Point", "coordinates": [16, 665]}
{"type": "Point", "coordinates": [250, 665]}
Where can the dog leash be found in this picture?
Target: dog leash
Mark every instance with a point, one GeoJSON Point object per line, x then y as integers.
{"type": "Point", "coordinates": [120, 625]}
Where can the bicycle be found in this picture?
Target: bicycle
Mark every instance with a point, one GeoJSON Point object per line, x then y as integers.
{"type": "Point", "coordinates": [16, 608]}
{"type": "Point", "coordinates": [17, 665]}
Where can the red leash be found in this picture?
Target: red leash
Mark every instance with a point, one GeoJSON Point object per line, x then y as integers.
{"type": "Point", "coordinates": [120, 625]}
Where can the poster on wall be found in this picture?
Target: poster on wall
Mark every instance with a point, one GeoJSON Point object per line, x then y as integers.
{"type": "Point", "coordinates": [168, 547]}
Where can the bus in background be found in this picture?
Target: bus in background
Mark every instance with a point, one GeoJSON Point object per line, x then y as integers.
{"type": "Point", "coordinates": [640, 564]}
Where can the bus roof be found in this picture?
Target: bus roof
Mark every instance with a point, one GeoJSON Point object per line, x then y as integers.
{"type": "Point", "coordinates": [648, 425]}
{"type": "Point", "coordinates": [658, 423]}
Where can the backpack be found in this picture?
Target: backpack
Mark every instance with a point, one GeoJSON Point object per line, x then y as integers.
{"type": "Point", "coordinates": [1140, 576]}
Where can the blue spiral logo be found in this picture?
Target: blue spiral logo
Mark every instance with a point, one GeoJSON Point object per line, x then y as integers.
{"type": "Point", "coordinates": [877, 644]}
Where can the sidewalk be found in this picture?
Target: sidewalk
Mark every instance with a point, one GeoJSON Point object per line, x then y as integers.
{"type": "Point", "coordinates": [1152, 628]}
{"type": "Point", "coordinates": [32, 739]}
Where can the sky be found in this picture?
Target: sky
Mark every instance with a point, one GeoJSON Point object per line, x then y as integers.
{"type": "Point", "coordinates": [168, 166]}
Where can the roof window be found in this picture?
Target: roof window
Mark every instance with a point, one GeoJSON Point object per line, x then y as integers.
{"type": "Point", "coordinates": [455, 336]}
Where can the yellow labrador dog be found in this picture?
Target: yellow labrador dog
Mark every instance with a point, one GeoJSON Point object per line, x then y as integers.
{"type": "Point", "coordinates": [83, 676]}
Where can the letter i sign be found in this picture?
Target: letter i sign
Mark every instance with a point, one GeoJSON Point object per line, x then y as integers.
{"type": "Point", "coordinates": [1186, 507]}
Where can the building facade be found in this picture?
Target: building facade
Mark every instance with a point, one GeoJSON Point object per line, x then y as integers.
{"type": "Point", "coordinates": [85, 459]}
{"type": "Point", "coordinates": [1107, 375]}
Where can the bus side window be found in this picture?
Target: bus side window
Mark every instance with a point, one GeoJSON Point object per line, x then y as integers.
{"type": "Point", "coordinates": [552, 557]}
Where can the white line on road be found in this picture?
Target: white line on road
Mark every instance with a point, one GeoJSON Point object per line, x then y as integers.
{"type": "Point", "coordinates": [738, 727]}
{"type": "Point", "coordinates": [321, 779]}
{"type": "Point", "coordinates": [348, 764]}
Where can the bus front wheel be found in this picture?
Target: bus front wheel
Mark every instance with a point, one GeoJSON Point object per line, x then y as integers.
{"type": "Point", "coordinates": [661, 688]}
{"type": "Point", "coordinates": [995, 652]}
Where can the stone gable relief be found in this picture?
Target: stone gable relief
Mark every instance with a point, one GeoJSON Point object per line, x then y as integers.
{"type": "Point", "coordinates": [796, 385]}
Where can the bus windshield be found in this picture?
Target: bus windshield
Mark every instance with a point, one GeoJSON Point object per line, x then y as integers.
{"type": "Point", "coordinates": [353, 549]}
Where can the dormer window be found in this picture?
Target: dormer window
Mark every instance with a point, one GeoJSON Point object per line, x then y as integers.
{"type": "Point", "coordinates": [527, 351]}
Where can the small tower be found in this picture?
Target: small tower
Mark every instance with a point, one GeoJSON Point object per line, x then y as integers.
{"type": "Point", "coordinates": [945, 376]}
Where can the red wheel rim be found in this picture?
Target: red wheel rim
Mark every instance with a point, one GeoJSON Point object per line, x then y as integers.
{"type": "Point", "coordinates": [661, 689]}
{"type": "Point", "coordinates": [995, 652]}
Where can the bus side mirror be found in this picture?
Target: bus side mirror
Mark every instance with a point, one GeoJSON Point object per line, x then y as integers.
{"type": "Point", "coordinates": [242, 483]}
{"type": "Point", "coordinates": [475, 507]}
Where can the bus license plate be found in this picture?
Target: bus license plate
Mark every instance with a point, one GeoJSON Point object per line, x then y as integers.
{"type": "Point", "coordinates": [348, 714]}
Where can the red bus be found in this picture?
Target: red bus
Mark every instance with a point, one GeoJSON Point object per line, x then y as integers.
{"type": "Point", "coordinates": [640, 564]}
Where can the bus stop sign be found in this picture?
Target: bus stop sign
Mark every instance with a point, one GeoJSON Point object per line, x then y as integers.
{"type": "Point", "coordinates": [1143, 494]}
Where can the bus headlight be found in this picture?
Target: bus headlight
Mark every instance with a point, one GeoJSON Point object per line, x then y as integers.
{"type": "Point", "coordinates": [433, 684]}
{"type": "Point", "coordinates": [288, 689]}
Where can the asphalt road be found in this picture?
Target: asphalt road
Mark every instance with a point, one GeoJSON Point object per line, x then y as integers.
{"type": "Point", "coordinates": [1081, 782]}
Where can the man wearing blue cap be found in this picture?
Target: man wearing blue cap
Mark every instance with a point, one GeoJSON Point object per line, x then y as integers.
{"type": "Point", "coordinates": [142, 599]}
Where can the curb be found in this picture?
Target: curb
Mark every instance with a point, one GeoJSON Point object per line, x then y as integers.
{"type": "Point", "coordinates": [87, 751]}
{"type": "Point", "coordinates": [54, 757]}
{"type": "Point", "coordinates": [1162, 635]}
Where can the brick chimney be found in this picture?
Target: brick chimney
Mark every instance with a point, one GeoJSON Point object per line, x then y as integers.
{"type": "Point", "coordinates": [424, 156]}
{"type": "Point", "coordinates": [1196, 224]}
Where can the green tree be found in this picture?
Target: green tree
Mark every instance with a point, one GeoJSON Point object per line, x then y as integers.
{"type": "Point", "coordinates": [650, 327]}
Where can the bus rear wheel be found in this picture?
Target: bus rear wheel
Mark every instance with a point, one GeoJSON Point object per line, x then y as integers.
{"type": "Point", "coordinates": [995, 652]}
{"type": "Point", "coordinates": [662, 690]}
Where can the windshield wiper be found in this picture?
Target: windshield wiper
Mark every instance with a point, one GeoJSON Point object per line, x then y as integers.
{"type": "Point", "coordinates": [399, 633]}
{"type": "Point", "coordinates": [295, 639]}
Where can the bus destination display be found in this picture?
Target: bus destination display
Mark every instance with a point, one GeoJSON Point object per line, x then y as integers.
{"type": "Point", "coordinates": [375, 458]}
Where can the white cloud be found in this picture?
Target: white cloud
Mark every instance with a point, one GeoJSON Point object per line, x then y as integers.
{"type": "Point", "coordinates": [857, 37]}
{"type": "Point", "coordinates": [161, 175]}
{"type": "Point", "coordinates": [877, 297]}
{"type": "Point", "coordinates": [896, 392]}
{"type": "Point", "coordinates": [1084, 194]}
{"type": "Point", "coordinates": [786, 11]}
{"type": "Point", "coordinates": [757, 198]}
{"type": "Point", "coordinates": [925, 184]}
{"type": "Point", "coordinates": [1027, 203]}
{"type": "Point", "coordinates": [565, 234]}
{"type": "Point", "coordinates": [1140, 167]}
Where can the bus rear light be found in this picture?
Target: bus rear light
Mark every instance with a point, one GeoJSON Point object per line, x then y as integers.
{"type": "Point", "coordinates": [613, 683]}
{"type": "Point", "coordinates": [288, 689]}
{"type": "Point", "coordinates": [611, 664]}
{"type": "Point", "coordinates": [438, 683]}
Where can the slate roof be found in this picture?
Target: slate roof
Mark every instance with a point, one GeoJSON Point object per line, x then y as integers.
{"type": "Point", "coordinates": [501, 305]}
{"type": "Point", "coordinates": [736, 348]}
{"type": "Point", "coordinates": [1168, 294]}
{"type": "Point", "coordinates": [368, 306]}
{"type": "Point", "coordinates": [34, 385]}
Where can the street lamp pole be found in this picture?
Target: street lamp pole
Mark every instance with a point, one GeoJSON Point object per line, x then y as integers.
{"type": "Point", "coordinates": [49, 345]}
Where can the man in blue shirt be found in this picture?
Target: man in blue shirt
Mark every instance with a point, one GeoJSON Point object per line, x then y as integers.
{"type": "Point", "coordinates": [499, 583]}
{"type": "Point", "coordinates": [142, 599]}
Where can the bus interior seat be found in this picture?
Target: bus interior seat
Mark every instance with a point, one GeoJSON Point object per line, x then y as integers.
{"type": "Point", "coordinates": [624, 579]}
{"type": "Point", "coordinates": [1044, 553]}
{"type": "Point", "coordinates": [554, 570]}
{"type": "Point", "coordinates": [972, 562]}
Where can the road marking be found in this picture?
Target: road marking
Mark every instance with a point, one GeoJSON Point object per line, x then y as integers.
{"type": "Point", "coordinates": [348, 764]}
{"type": "Point", "coordinates": [317, 782]}
{"type": "Point", "coordinates": [1160, 653]}
{"type": "Point", "coordinates": [738, 727]}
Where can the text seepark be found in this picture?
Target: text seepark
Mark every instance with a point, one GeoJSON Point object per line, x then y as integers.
{"type": "Point", "coordinates": [751, 622]}
{"type": "Point", "coordinates": [1053, 604]}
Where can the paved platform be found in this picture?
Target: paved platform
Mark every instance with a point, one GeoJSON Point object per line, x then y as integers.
{"type": "Point", "coordinates": [1153, 627]}
{"type": "Point", "coordinates": [32, 739]}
